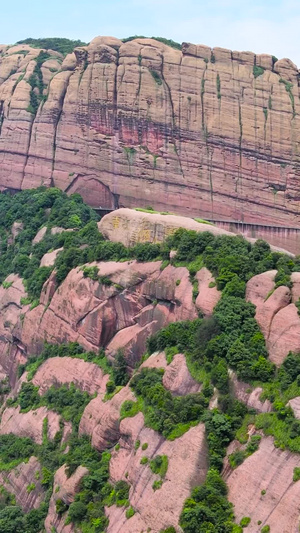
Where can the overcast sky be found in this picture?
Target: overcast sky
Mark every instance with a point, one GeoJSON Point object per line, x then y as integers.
{"type": "Point", "coordinates": [270, 26]}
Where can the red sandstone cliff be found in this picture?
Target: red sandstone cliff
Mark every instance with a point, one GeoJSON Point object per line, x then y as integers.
{"type": "Point", "coordinates": [203, 132]}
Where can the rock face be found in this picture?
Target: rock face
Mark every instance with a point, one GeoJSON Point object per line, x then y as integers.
{"type": "Point", "coordinates": [203, 131]}
{"type": "Point", "coordinates": [64, 489]}
{"type": "Point", "coordinates": [17, 480]}
{"type": "Point", "coordinates": [59, 371]}
{"type": "Point", "coordinates": [209, 295]}
{"type": "Point", "coordinates": [187, 466]}
{"type": "Point", "coordinates": [29, 424]}
{"type": "Point", "coordinates": [271, 470]}
{"type": "Point", "coordinates": [249, 396]}
{"type": "Point", "coordinates": [130, 226]}
{"type": "Point", "coordinates": [140, 300]}
{"type": "Point", "coordinates": [276, 314]}
{"type": "Point", "coordinates": [177, 378]}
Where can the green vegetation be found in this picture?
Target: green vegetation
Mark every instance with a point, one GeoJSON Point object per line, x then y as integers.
{"type": "Point", "coordinates": [32, 209]}
{"type": "Point", "coordinates": [162, 411]}
{"type": "Point", "coordinates": [288, 87]}
{"type": "Point", "coordinates": [64, 46]}
{"type": "Point", "coordinates": [37, 85]}
{"type": "Point", "coordinates": [156, 77]}
{"type": "Point", "coordinates": [130, 512]}
{"type": "Point", "coordinates": [218, 87]}
{"type": "Point", "coordinates": [67, 401]}
{"type": "Point", "coordinates": [245, 521]}
{"type": "Point", "coordinates": [159, 465]}
{"type": "Point", "coordinates": [208, 510]}
{"type": "Point", "coordinates": [296, 474]}
{"type": "Point", "coordinates": [257, 71]}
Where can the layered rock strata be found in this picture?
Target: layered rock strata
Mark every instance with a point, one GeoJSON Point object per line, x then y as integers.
{"type": "Point", "coordinates": [199, 131]}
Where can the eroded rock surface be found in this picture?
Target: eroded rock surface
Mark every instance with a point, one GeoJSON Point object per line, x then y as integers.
{"type": "Point", "coordinates": [17, 481]}
{"type": "Point", "coordinates": [271, 470]}
{"type": "Point", "coordinates": [64, 488]}
{"type": "Point", "coordinates": [209, 295]}
{"type": "Point", "coordinates": [29, 424]}
{"type": "Point", "coordinates": [140, 300]}
{"type": "Point", "coordinates": [276, 315]}
{"type": "Point", "coordinates": [187, 466]}
{"type": "Point", "coordinates": [141, 123]}
{"type": "Point", "coordinates": [59, 371]}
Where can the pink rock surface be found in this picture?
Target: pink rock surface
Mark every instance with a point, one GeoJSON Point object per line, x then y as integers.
{"type": "Point", "coordinates": [249, 395]}
{"type": "Point", "coordinates": [29, 424]}
{"type": "Point", "coordinates": [65, 370]}
{"type": "Point", "coordinates": [178, 379]}
{"type": "Point", "coordinates": [295, 279]}
{"type": "Point", "coordinates": [17, 480]}
{"type": "Point", "coordinates": [10, 305]}
{"type": "Point", "coordinates": [156, 360]}
{"type": "Point", "coordinates": [64, 488]}
{"type": "Point", "coordinates": [208, 297]}
{"type": "Point", "coordinates": [101, 419]}
{"type": "Point", "coordinates": [295, 405]}
{"type": "Point", "coordinates": [277, 317]}
{"type": "Point", "coordinates": [40, 235]}
{"type": "Point", "coordinates": [141, 300]}
{"type": "Point", "coordinates": [271, 470]}
{"type": "Point", "coordinates": [49, 258]}
{"type": "Point", "coordinates": [285, 334]}
{"type": "Point", "coordinates": [187, 466]}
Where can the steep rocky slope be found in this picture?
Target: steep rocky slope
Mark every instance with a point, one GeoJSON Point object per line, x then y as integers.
{"type": "Point", "coordinates": [157, 386]}
{"type": "Point", "coordinates": [199, 131]}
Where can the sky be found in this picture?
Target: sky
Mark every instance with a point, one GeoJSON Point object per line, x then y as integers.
{"type": "Point", "coordinates": [265, 26]}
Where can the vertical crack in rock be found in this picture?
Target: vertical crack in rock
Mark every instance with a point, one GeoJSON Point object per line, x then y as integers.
{"type": "Point", "coordinates": [174, 130]}
{"type": "Point", "coordinates": [56, 123]}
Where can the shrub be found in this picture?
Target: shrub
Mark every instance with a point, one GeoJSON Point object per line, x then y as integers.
{"type": "Point", "coordinates": [130, 512]}
{"type": "Point", "coordinates": [245, 521]}
{"type": "Point", "coordinates": [257, 71]}
{"type": "Point", "coordinates": [296, 475]}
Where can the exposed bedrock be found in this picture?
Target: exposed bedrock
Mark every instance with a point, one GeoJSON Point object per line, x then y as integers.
{"type": "Point", "coordinates": [204, 132]}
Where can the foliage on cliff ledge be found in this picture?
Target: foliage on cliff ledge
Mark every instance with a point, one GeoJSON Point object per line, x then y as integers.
{"type": "Point", "coordinates": [62, 45]}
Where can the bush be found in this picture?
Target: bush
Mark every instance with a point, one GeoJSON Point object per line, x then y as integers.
{"type": "Point", "coordinates": [77, 512]}
{"type": "Point", "coordinates": [245, 521]}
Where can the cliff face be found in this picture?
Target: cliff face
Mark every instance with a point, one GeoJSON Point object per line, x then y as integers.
{"type": "Point", "coordinates": [204, 132]}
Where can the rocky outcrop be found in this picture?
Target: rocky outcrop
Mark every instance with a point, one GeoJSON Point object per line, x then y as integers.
{"type": "Point", "coordinates": [20, 478]}
{"type": "Point", "coordinates": [203, 131]}
{"type": "Point", "coordinates": [64, 488]}
{"type": "Point", "coordinates": [276, 314]}
{"type": "Point", "coordinates": [101, 420]}
{"type": "Point", "coordinates": [250, 396]}
{"type": "Point", "coordinates": [209, 295]}
{"type": "Point", "coordinates": [29, 424]}
{"type": "Point", "coordinates": [59, 371]}
{"type": "Point", "coordinates": [178, 379]}
{"type": "Point", "coordinates": [187, 466]}
{"type": "Point", "coordinates": [263, 489]}
{"type": "Point", "coordinates": [139, 300]}
{"type": "Point", "coordinates": [49, 258]}
{"type": "Point", "coordinates": [129, 226]}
